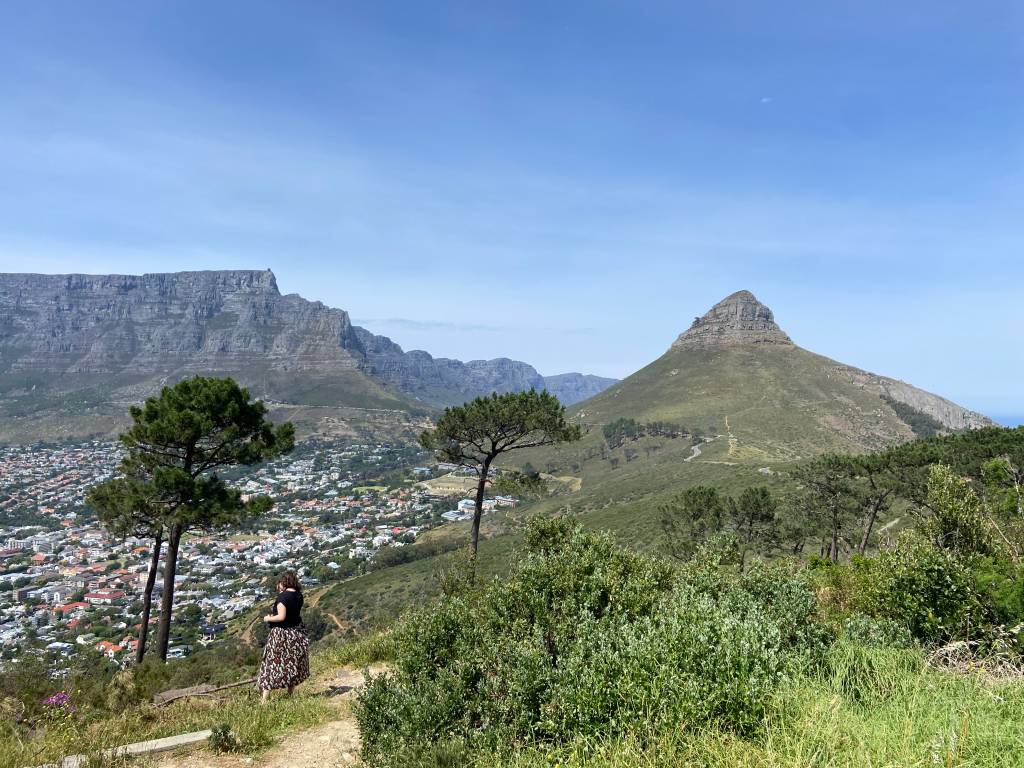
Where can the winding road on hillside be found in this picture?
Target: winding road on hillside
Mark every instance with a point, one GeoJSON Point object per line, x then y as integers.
{"type": "Point", "coordinates": [695, 453]}
{"type": "Point", "coordinates": [695, 450]}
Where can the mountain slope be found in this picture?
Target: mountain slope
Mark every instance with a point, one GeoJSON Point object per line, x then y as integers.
{"type": "Point", "coordinates": [749, 402]}
{"type": "Point", "coordinates": [736, 372]}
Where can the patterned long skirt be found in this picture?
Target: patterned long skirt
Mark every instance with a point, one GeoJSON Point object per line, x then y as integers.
{"type": "Point", "coordinates": [285, 659]}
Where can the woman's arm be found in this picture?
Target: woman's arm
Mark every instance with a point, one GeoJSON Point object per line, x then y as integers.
{"type": "Point", "coordinates": [277, 616]}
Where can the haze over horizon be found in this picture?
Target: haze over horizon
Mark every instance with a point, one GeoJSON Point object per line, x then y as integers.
{"type": "Point", "coordinates": [567, 186]}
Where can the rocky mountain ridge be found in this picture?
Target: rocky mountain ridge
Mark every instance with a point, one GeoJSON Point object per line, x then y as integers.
{"type": "Point", "coordinates": [441, 380]}
{"type": "Point", "coordinates": [576, 387]}
{"type": "Point", "coordinates": [111, 331]}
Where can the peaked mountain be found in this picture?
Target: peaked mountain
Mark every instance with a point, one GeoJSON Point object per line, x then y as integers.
{"type": "Point", "coordinates": [737, 374]}
{"type": "Point", "coordinates": [737, 319]}
{"type": "Point", "coordinates": [442, 381]}
{"type": "Point", "coordinates": [75, 345]}
{"type": "Point", "coordinates": [573, 387]}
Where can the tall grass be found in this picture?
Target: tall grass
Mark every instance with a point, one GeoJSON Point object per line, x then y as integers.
{"type": "Point", "coordinates": [874, 707]}
{"type": "Point", "coordinates": [254, 727]}
{"type": "Point", "coordinates": [359, 652]}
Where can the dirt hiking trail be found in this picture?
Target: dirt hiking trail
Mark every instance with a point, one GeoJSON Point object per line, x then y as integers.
{"type": "Point", "coordinates": [328, 745]}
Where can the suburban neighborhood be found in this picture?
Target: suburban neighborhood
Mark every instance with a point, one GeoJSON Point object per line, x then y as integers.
{"type": "Point", "coordinates": [68, 586]}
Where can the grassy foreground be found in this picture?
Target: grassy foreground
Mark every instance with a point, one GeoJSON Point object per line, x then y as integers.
{"type": "Point", "coordinates": [875, 707]}
{"type": "Point", "coordinates": [254, 728]}
{"type": "Point", "coordinates": [879, 707]}
{"type": "Point", "coordinates": [589, 653]}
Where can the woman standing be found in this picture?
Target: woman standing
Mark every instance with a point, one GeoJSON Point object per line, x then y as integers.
{"type": "Point", "coordinates": [286, 655]}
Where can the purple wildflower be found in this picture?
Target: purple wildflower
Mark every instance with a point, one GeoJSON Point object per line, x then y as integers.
{"type": "Point", "coordinates": [59, 700]}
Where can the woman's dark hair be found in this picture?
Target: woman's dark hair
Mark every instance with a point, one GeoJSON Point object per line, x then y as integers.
{"type": "Point", "coordinates": [289, 580]}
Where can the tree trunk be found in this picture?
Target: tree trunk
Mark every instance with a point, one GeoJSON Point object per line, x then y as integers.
{"type": "Point", "coordinates": [167, 601]}
{"type": "Point", "coordinates": [147, 595]}
{"type": "Point", "coordinates": [478, 509]}
{"type": "Point", "coordinates": [747, 544]}
{"type": "Point", "coordinates": [868, 525]}
{"type": "Point", "coordinates": [1016, 475]}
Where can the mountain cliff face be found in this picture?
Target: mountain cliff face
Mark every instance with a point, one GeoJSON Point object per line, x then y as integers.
{"type": "Point", "coordinates": [737, 319]}
{"type": "Point", "coordinates": [120, 337]}
{"type": "Point", "coordinates": [441, 381]}
{"type": "Point", "coordinates": [188, 321]}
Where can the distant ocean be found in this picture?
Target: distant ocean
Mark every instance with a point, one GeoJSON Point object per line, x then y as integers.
{"type": "Point", "coordinates": [1008, 421]}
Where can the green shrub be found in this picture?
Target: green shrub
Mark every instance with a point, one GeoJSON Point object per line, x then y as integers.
{"type": "Point", "coordinates": [26, 681]}
{"type": "Point", "coordinates": [586, 639]}
{"type": "Point", "coordinates": [958, 521]}
{"type": "Point", "coordinates": [1001, 584]}
{"type": "Point", "coordinates": [786, 595]}
{"type": "Point", "coordinates": [454, 753]}
{"type": "Point", "coordinates": [949, 579]}
{"type": "Point", "coordinates": [222, 739]}
{"type": "Point", "coordinates": [927, 589]}
{"type": "Point", "coordinates": [908, 716]}
{"type": "Point", "coordinates": [695, 662]}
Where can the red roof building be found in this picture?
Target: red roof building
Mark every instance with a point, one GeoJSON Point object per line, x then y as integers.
{"type": "Point", "coordinates": [104, 596]}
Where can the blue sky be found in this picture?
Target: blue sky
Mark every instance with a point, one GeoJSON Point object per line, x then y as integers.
{"type": "Point", "coordinates": [563, 183]}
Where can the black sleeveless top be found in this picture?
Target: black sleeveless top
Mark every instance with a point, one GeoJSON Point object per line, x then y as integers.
{"type": "Point", "coordinates": [292, 602]}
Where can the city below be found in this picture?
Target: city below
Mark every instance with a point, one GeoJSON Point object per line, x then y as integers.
{"type": "Point", "coordinates": [70, 587]}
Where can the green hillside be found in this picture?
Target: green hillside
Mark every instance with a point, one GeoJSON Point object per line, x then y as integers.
{"type": "Point", "coordinates": [348, 402]}
{"type": "Point", "coordinates": [735, 386]}
{"type": "Point", "coordinates": [776, 403]}
{"type": "Point", "coordinates": [733, 403]}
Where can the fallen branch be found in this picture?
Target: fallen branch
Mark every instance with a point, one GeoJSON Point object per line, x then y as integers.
{"type": "Point", "coordinates": [162, 699]}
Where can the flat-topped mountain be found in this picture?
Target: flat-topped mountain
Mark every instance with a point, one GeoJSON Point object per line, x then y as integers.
{"type": "Point", "coordinates": [77, 342]}
{"type": "Point", "coordinates": [67, 324]}
{"type": "Point", "coordinates": [735, 372]}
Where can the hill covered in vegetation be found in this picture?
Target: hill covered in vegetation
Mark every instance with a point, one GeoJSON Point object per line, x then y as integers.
{"type": "Point", "coordinates": [736, 372]}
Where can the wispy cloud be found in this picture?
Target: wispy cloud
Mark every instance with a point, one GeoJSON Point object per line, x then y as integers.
{"type": "Point", "coordinates": [578, 226]}
{"type": "Point", "coordinates": [411, 324]}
